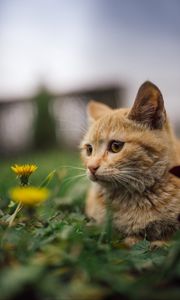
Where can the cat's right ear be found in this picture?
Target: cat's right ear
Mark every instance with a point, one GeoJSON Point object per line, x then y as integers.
{"type": "Point", "coordinates": [148, 108]}
{"type": "Point", "coordinates": [96, 110]}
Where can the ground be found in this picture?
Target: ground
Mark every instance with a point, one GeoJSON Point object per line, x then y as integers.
{"type": "Point", "coordinates": [53, 252]}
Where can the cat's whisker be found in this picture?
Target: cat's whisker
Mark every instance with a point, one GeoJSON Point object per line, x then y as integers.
{"type": "Point", "coordinates": [124, 180]}
{"type": "Point", "coordinates": [132, 181]}
{"type": "Point", "coordinates": [82, 117]}
{"type": "Point", "coordinates": [71, 122]}
{"type": "Point", "coordinates": [71, 181]}
{"type": "Point", "coordinates": [130, 177]}
{"type": "Point", "coordinates": [72, 178]}
{"type": "Point", "coordinates": [120, 179]}
{"type": "Point", "coordinates": [125, 169]}
{"type": "Point", "coordinates": [73, 167]}
{"type": "Point", "coordinates": [65, 123]}
{"type": "Point", "coordinates": [130, 171]}
{"type": "Point", "coordinates": [115, 182]}
{"type": "Point", "coordinates": [70, 130]}
{"type": "Point", "coordinates": [64, 130]}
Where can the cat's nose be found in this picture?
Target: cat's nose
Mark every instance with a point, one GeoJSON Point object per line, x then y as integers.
{"type": "Point", "coordinates": [93, 168]}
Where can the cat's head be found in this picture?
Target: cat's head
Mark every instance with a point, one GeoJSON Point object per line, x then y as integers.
{"type": "Point", "coordinates": [128, 148]}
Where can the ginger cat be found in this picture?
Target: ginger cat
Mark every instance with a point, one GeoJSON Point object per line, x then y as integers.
{"type": "Point", "coordinates": [129, 154]}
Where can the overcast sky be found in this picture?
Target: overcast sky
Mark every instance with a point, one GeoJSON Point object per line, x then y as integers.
{"type": "Point", "coordinates": [74, 43]}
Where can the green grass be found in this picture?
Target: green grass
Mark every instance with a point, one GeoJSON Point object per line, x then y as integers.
{"type": "Point", "coordinates": [54, 253]}
{"type": "Point", "coordinates": [46, 162]}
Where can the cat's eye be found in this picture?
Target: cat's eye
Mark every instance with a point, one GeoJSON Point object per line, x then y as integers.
{"type": "Point", "coordinates": [89, 149]}
{"type": "Point", "coordinates": [115, 146]}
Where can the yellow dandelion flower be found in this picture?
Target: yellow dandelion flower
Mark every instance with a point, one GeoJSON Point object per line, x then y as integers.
{"type": "Point", "coordinates": [23, 172]}
{"type": "Point", "coordinates": [29, 195]}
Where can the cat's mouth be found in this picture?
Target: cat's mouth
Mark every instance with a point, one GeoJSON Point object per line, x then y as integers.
{"type": "Point", "coordinates": [97, 178]}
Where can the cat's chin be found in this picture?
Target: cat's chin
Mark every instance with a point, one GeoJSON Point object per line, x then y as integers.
{"type": "Point", "coordinates": [93, 177]}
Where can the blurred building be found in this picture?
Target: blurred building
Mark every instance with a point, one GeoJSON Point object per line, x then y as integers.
{"type": "Point", "coordinates": [49, 119]}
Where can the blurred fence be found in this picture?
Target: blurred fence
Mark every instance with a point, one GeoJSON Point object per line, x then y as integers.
{"type": "Point", "coordinates": [49, 119]}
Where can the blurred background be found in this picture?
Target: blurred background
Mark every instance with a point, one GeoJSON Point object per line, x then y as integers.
{"type": "Point", "coordinates": [56, 55]}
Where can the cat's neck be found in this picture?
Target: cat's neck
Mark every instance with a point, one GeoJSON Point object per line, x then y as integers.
{"type": "Point", "coordinates": [150, 196]}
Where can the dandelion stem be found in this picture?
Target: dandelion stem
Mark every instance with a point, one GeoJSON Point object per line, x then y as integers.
{"type": "Point", "coordinates": [12, 217]}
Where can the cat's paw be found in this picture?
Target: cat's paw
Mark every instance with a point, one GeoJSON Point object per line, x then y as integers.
{"type": "Point", "coordinates": [131, 241]}
{"type": "Point", "coordinates": [158, 244]}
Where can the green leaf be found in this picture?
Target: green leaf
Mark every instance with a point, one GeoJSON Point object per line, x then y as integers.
{"type": "Point", "coordinates": [48, 178]}
{"type": "Point", "coordinates": [11, 204]}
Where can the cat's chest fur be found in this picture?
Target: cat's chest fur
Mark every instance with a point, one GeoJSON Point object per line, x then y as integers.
{"type": "Point", "coordinates": [134, 215]}
{"type": "Point", "coordinates": [153, 214]}
{"type": "Point", "coordinates": [130, 214]}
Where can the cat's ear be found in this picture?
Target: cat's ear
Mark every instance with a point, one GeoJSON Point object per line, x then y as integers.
{"type": "Point", "coordinates": [96, 110]}
{"type": "Point", "coordinates": [148, 108]}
